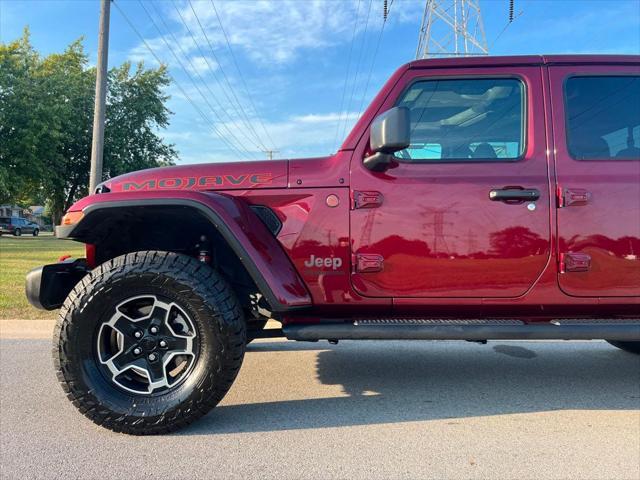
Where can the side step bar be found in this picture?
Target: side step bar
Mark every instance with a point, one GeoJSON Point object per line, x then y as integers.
{"type": "Point", "coordinates": [470, 330]}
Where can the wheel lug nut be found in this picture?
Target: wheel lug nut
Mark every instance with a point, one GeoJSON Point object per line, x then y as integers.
{"type": "Point", "coordinates": [163, 343]}
{"type": "Point", "coordinates": [152, 357]}
{"type": "Point", "coordinates": [137, 351]}
{"type": "Point", "coordinates": [154, 329]}
{"type": "Point", "coordinates": [137, 334]}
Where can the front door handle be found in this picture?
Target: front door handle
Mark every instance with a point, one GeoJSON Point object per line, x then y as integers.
{"type": "Point", "coordinates": [514, 195]}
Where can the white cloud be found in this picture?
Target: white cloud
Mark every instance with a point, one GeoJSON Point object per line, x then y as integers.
{"type": "Point", "coordinates": [303, 135]}
{"type": "Point", "coordinates": [325, 117]}
{"type": "Point", "coordinates": [272, 33]}
{"type": "Point", "coordinates": [201, 65]}
{"type": "Point", "coordinates": [298, 136]}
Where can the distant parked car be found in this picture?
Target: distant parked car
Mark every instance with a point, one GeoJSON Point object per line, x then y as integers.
{"type": "Point", "coordinates": [17, 226]}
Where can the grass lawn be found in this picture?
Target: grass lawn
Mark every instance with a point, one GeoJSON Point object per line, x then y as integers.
{"type": "Point", "coordinates": [18, 255]}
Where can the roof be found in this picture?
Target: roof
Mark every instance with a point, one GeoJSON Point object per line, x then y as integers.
{"type": "Point", "coordinates": [37, 209]}
{"type": "Point", "coordinates": [485, 61]}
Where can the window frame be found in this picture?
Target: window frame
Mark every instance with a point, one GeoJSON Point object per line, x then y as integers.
{"type": "Point", "coordinates": [565, 105]}
{"type": "Point", "coordinates": [524, 120]}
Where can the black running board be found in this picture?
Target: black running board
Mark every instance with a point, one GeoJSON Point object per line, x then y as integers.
{"type": "Point", "coordinates": [580, 330]}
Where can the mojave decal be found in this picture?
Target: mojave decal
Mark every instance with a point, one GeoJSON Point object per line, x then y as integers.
{"type": "Point", "coordinates": [189, 183]}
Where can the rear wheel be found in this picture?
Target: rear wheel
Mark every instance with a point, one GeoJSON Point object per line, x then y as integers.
{"type": "Point", "coordinates": [631, 347]}
{"type": "Point", "coordinates": [36, 232]}
{"type": "Point", "coordinates": [149, 342]}
{"type": "Point", "coordinates": [17, 232]}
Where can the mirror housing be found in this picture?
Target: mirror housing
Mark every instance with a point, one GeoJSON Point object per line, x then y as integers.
{"type": "Point", "coordinates": [390, 132]}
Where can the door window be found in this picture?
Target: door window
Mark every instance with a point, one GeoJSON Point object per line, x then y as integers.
{"type": "Point", "coordinates": [465, 120]}
{"type": "Point", "coordinates": [603, 117]}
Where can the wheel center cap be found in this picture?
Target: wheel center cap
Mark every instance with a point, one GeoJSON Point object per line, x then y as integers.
{"type": "Point", "coordinates": [148, 344]}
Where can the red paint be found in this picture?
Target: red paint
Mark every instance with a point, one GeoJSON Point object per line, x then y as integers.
{"type": "Point", "coordinates": [425, 238]}
{"type": "Point", "coordinates": [438, 230]}
{"type": "Point", "coordinates": [90, 254]}
{"type": "Point", "coordinates": [605, 225]}
{"type": "Point", "coordinates": [209, 176]}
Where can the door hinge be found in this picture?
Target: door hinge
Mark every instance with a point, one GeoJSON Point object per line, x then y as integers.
{"type": "Point", "coordinates": [575, 262]}
{"type": "Point", "coordinates": [366, 199]}
{"type": "Point", "coordinates": [368, 262]}
{"type": "Point", "coordinates": [572, 197]}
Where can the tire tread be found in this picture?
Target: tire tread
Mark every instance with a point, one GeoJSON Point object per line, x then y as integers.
{"type": "Point", "coordinates": [200, 281]}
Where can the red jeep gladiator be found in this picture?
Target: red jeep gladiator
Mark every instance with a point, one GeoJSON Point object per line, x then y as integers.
{"type": "Point", "coordinates": [475, 199]}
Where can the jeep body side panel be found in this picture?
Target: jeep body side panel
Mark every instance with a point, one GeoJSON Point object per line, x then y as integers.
{"type": "Point", "coordinates": [256, 247]}
{"type": "Point", "coordinates": [437, 231]}
{"type": "Point", "coordinates": [315, 235]}
{"type": "Point", "coordinates": [599, 219]}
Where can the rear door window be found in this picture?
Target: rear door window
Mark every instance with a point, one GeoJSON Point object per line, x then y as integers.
{"type": "Point", "coordinates": [603, 117]}
{"type": "Point", "coordinates": [465, 120]}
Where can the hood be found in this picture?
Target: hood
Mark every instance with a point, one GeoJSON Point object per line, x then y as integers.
{"type": "Point", "coordinates": [207, 176]}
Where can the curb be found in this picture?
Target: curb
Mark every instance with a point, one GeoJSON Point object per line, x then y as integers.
{"type": "Point", "coordinates": [27, 329]}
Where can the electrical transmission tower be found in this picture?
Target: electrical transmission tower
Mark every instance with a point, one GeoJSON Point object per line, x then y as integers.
{"type": "Point", "coordinates": [452, 28]}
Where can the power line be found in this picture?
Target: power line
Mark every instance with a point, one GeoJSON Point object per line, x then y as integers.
{"type": "Point", "coordinates": [360, 59]}
{"type": "Point", "coordinates": [249, 96]}
{"type": "Point", "coordinates": [197, 73]}
{"type": "Point", "coordinates": [173, 79]}
{"type": "Point", "coordinates": [270, 153]}
{"type": "Point", "coordinates": [346, 78]}
{"type": "Point", "coordinates": [239, 111]}
{"type": "Point", "coordinates": [231, 134]}
{"type": "Point", "coordinates": [508, 24]}
{"type": "Point", "coordinates": [386, 11]}
{"type": "Point", "coordinates": [213, 95]}
{"type": "Point", "coordinates": [224, 75]}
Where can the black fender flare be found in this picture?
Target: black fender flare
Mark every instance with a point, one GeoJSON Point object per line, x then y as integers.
{"type": "Point", "coordinates": [258, 250]}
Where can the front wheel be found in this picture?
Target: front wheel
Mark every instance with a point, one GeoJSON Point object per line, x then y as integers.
{"type": "Point", "coordinates": [631, 347]}
{"type": "Point", "coordinates": [148, 342]}
{"type": "Point", "coordinates": [36, 232]}
{"type": "Point", "coordinates": [17, 232]}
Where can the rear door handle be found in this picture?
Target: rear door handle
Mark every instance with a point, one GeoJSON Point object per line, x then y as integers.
{"type": "Point", "coordinates": [514, 195]}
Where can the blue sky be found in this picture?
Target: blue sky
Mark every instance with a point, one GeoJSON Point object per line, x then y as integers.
{"type": "Point", "coordinates": [293, 57]}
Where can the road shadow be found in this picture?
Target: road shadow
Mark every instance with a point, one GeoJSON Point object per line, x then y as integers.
{"type": "Point", "coordinates": [416, 381]}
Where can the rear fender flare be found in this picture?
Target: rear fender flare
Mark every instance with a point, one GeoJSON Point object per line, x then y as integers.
{"type": "Point", "coordinates": [258, 250]}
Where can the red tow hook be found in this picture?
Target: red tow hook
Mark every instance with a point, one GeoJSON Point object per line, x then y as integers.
{"type": "Point", "coordinates": [63, 258]}
{"type": "Point", "coordinates": [90, 254]}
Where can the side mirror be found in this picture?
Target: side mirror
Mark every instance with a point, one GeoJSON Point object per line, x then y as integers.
{"type": "Point", "coordinates": [390, 132]}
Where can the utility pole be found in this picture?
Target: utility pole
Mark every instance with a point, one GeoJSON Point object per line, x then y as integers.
{"type": "Point", "coordinates": [97, 142]}
{"type": "Point", "coordinates": [270, 153]}
{"type": "Point", "coordinates": [452, 28]}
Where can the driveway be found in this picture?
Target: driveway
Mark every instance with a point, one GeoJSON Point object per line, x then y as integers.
{"type": "Point", "coordinates": [512, 410]}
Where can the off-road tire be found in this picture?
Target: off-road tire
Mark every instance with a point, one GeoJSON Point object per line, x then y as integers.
{"type": "Point", "coordinates": [200, 291]}
{"type": "Point", "coordinates": [36, 232]}
{"type": "Point", "coordinates": [631, 347]}
{"type": "Point", "coordinates": [17, 232]}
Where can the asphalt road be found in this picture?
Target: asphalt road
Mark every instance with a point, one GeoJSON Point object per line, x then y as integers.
{"type": "Point", "coordinates": [512, 410]}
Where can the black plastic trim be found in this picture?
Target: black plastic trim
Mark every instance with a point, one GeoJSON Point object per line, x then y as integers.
{"type": "Point", "coordinates": [47, 287]}
{"type": "Point", "coordinates": [268, 217]}
{"type": "Point", "coordinates": [547, 331]}
{"type": "Point", "coordinates": [216, 221]}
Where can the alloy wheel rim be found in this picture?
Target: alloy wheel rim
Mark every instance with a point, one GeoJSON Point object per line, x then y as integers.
{"type": "Point", "coordinates": [148, 345]}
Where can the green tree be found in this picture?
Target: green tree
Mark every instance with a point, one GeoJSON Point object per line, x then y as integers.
{"type": "Point", "coordinates": [18, 153]}
{"type": "Point", "coordinates": [46, 116]}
